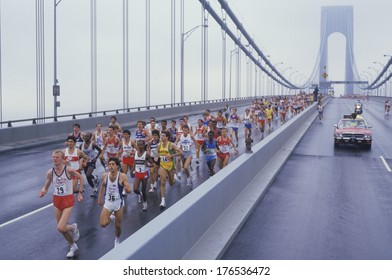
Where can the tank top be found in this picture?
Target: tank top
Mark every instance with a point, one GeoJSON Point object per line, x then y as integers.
{"type": "Point", "coordinates": [62, 183]}
{"type": "Point", "coordinates": [234, 120]}
{"type": "Point", "coordinates": [79, 140]}
{"type": "Point", "coordinates": [112, 147]}
{"type": "Point", "coordinates": [185, 145]}
{"type": "Point", "coordinates": [173, 133]}
{"type": "Point", "coordinates": [140, 136]}
{"type": "Point", "coordinates": [224, 145]}
{"type": "Point", "coordinates": [199, 133]}
{"type": "Point", "coordinates": [153, 148]}
{"type": "Point", "coordinates": [163, 152]}
{"type": "Point", "coordinates": [89, 151]}
{"type": "Point", "coordinates": [210, 149]}
{"type": "Point", "coordinates": [219, 122]}
{"type": "Point", "coordinates": [72, 159]}
{"type": "Point", "coordinates": [128, 150]}
{"type": "Point", "coordinates": [140, 163]}
{"type": "Point", "coordinates": [98, 139]}
{"type": "Point", "coordinates": [247, 119]}
{"type": "Point", "coordinates": [113, 190]}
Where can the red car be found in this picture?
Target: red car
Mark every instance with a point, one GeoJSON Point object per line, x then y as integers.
{"type": "Point", "coordinates": [353, 131]}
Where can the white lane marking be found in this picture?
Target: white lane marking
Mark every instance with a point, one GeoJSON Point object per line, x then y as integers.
{"type": "Point", "coordinates": [385, 164]}
{"type": "Point", "coordinates": [26, 215]}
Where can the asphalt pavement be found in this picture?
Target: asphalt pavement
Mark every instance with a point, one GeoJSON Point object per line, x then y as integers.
{"type": "Point", "coordinates": [326, 203]}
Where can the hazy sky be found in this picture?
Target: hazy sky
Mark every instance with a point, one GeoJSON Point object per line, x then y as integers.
{"type": "Point", "coordinates": [286, 30]}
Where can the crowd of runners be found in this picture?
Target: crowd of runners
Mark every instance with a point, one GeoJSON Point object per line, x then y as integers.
{"type": "Point", "coordinates": [145, 159]}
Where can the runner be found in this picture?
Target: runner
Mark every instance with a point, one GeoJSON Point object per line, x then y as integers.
{"type": "Point", "coordinates": [77, 134]}
{"type": "Point", "coordinates": [320, 110]}
{"type": "Point", "coordinates": [234, 119]}
{"type": "Point", "coordinates": [247, 119]}
{"type": "Point", "coordinates": [387, 107]}
{"type": "Point", "coordinates": [282, 110]}
{"type": "Point", "coordinates": [185, 144]}
{"type": "Point", "coordinates": [167, 151]}
{"type": "Point", "coordinates": [173, 131]}
{"type": "Point", "coordinates": [178, 159]}
{"type": "Point", "coordinates": [210, 148]}
{"type": "Point", "coordinates": [63, 199]}
{"type": "Point", "coordinates": [223, 143]}
{"type": "Point", "coordinates": [111, 198]}
{"type": "Point", "coordinates": [152, 146]}
{"type": "Point", "coordinates": [113, 144]}
{"type": "Point", "coordinates": [201, 132]}
{"type": "Point", "coordinates": [142, 162]}
{"type": "Point", "coordinates": [261, 119]}
{"type": "Point", "coordinates": [100, 138]}
{"type": "Point", "coordinates": [164, 125]}
{"type": "Point", "coordinates": [220, 120]}
{"type": "Point", "coordinates": [152, 126]}
{"type": "Point", "coordinates": [93, 152]}
{"type": "Point", "coordinates": [113, 122]}
{"type": "Point", "coordinates": [142, 133]}
{"type": "Point", "coordinates": [269, 114]}
{"type": "Point", "coordinates": [127, 151]}
{"type": "Point", "coordinates": [74, 158]}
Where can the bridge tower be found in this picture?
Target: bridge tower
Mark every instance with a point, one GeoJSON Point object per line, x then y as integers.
{"type": "Point", "coordinates": [336, 19]}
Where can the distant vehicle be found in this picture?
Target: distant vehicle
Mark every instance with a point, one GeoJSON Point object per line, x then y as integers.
{"type": "Point", "coordinates": [353, 129]}
{"type": "Point", "coordinates": [358, 109]}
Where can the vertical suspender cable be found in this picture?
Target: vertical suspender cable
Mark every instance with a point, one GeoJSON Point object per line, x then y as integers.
{"type": "Point", "coordinates": [173, 52]}
{"type": "Point", "coordinates": [224, 56]}
{"type": "Point", "coordinates": [93, 39]}
{"type": "Point", "coordinates": [148, 52]}
{"type": "Point", "coordinates": [125, 54]}
{"type": "Point", "coordinates": [40, 60]}
{"type": "Point", "coordinates": [204, 67]}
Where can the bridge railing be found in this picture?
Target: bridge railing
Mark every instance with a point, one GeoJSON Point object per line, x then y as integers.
{"type": "Point", "coordinates": [29, 121]}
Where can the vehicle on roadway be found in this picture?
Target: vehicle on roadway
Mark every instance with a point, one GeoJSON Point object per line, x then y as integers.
{"type": "Point", "coordinates": [353, 129]}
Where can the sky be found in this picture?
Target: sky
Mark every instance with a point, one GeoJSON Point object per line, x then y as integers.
{"type": "Point", "coordinates": [287, 31]}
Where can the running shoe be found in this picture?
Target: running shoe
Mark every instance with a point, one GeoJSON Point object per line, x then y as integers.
{"type": "Point", "coordinates": [144, 206]}
{"type": "Point", "coordinates": [116, 242]}
{"type": "Point", "coordinates": [176, 177]}
{"type": "Point", "coordinates": [163, 203]}
{"type": "Point", "coordinates": [197, 161]}
{"type": "Point", "coordinates": [140, 198]}
{"type": "Point", "coordinates": [96, 181]}
{"type": "Point", "coordinates": [95, 192]}
{"type": "Point", "coordinates": [151, 190]}
{"type": "Point", "coordinates": [72, 251]}
{"type": "Point", "coordinates": [75, 233]}
{"type": "Point", "coordinates": [179, 176]}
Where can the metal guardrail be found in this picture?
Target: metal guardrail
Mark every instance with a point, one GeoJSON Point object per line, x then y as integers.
{"type": "Point", "coordinates": [9, 123]}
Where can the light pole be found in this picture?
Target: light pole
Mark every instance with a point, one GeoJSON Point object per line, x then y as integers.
{"type": "Point", "coordinates": [291, 74]}
{"type": "Point", "coordinates": [371, 77]}
{"type": "Point", "coordinates": [284, 70]}
{"type": "Point", "coordinates": [232, 52]}
{"type": "Point", "coordinates": [56, 87]}
{"type": "Point", "coordinates": [184, 36]}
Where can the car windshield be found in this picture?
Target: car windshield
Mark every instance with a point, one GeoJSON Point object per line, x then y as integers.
{"type": "Point", "coordinates": [352, 124]}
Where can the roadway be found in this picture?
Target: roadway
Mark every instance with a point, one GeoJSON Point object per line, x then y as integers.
{"type": "Point", "coordinates": [326, 203]}
{"type": "Point", "coordinates": [27, 222]}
